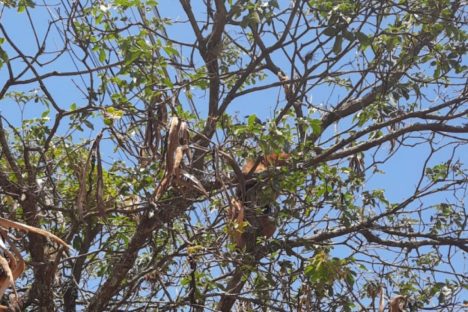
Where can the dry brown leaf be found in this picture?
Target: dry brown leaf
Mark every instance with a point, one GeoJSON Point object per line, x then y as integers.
{"type": "Point", "coordinates": [19, 265]}
{"type": "Point", "coordinates": [163, 186]}
{"type": "Point", "coordinates": [179, 155]}
{"type": "Point", "coordinates": [6, 276]}
{"type": "Point", "coordinates": [283, 78]}
{"type": "Point", "coordinates": [236, 215]}
{"type": "Point", "coordinates": [184, 139]}
{"type": "Point", "coordinates": [84, 171]}
{"type": "Point", "coordinates": [19, 269]}
{"type": "Point", "coordinates": [15, 266]}
{"type": "Point", "coordinates": [236, 210]}
{"type": "Point", "coordinates": [99, 178]}
{"type": "Point", "coordinates": [172, 144]}
{"type": "Point", "coordinates": [178, 138]}
{"type": "Point", "coordinates": [11, 270]}
{"type": "Point", "coordinates": [382, 300]}
{"type": "Point", "coordinates": [397, 303]}
{"type": "Point", "coordinates": [15, 261]}
{"type": "Point", "coordinates": [27, 228]}
{"type": "Point", "coordinates": [11, 260]}
{"type": "Point", "coordinates": [148, 150]}
{"type": "Point", "coordinates": [80, 199]}
{"type": "Point", "coordinates": [184, 135]}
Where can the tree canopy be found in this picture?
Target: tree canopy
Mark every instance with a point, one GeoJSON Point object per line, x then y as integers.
{"type": "Point", "coordinates": [125, 125]}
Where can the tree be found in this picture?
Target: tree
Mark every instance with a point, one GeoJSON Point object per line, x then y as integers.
{"type": "Point", "coordinates": [119, 134]}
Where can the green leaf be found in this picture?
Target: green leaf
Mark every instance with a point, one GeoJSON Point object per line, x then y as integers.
{"type": "Point", "coordinates": [134, 55]}
{"type": "Point", "coordinates": [254, 18]}
{"type": "Point", "coordinates": [77, 242]}
{"type": "Point", "coordinates": [316, 125]}
{"type": "Point", "coordinates": [438, 172]}
{"type": "Point", "coordinates": [251, 121]}
{"type": "Point", "coordinates": [3, 55]}
{"type": "Point", "coordinates": [330, 31]}
{"type": "Point", "coordinates": [167, 82]}
{"type": "Point", "coordinates": [364, 40]}
{"type": "Point", "coordinates": [108, 121]}
{"type": "Point", "coordinates": [102, 55]}
{"type": "Point", "coordinates": [88, 124]}
{"type": "Point", "coordinates": [170, 51]}
{"type": "Point", "coordinates": [338, 44]}
{"type": "Point", "coordinates": [114, 113]}
{"type": "Point", "coordinates": [362, 118]}
{"type": "Point", "coordinates": [348, 35]}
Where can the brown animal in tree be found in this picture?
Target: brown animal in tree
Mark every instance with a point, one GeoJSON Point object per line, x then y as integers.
{"type": "Point", "coordinates": [271, 160]}
{"type": "Point", "coordinates": [248, 216]}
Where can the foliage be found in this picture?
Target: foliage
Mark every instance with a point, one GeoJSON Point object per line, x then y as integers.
{"type": "Point", "coordinates": [124, 128]}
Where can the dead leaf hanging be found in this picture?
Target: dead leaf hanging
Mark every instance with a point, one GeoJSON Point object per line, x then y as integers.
{"type": "Point", "coordinates": [31, 229]}
{"type": "Point", "coordinates": [236, 217]}
{"type": "Point", "coordinates": [12, 268]}
{"type": "Point", "coordinates": [6, 276]}
{"type": "Point", "coordinates": [172, 144]}
{"type": "Point", "coordinates": [177, 148]}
